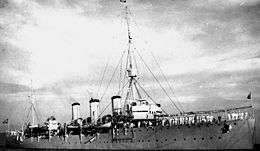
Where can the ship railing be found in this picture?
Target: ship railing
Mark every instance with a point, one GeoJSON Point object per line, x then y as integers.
{"type": "Point", "coordinates": [241, 113]}
{"type": "Point", "coordinates": [219, 111]}
{"type": "Point", "coordinates": [216, 116]}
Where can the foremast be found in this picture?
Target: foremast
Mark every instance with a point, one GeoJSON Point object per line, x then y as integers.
{"type": "Point", "coordinates": [32, 109]}
{"type": "Point", "coordinates": [133, 101]}
{"type": "Point", "coordinates": [132, 88]}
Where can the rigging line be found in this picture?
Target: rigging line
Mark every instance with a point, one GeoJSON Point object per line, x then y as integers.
{"type": "Point", "coordinates": [149, 95]}
{"type": "Point", "coordinates": [119, 91]}
{"type": "Point", "coordinates": [112, 75]}
{"type": "Point", "coordinates": [36, 113]}
{"type": "Point", "coordinates": [104, 109]}
{"type": "Point", "coordinates": [102, 78]}
{"type": "Point", "coordinates": [121, 72]}
{"type": "Point", "coordinates": [137, 91]}
{"type": "Point", "coordinates": [172, 102]}
{"type": "Point", "coordinates": [120, 75]}
{"type": "Point", "coordinates": [135, 62]}
{"type": "Point", "coordinates": [110, 102]}
{"type": "Point", "coordinates": [122, 81]}
{"type": "Point", "coordinates": [40, 116]}
{"type": "Point", "coordinates": [158, 81]}
{"type": "Point", "coordinates": [167, 81]}
{"type": "Point", "coordinates": [25, 111]}
{"type": "Point", "coordinates": [29, 112]}
{"type": "Point", "coordinates": [33, 109]}
{"type": "Point", "coordinates": [131, 14]}
{"type": "Point", "coordinates": [123, 75]}
{"type": "Point", "coordinates": [126, 65]}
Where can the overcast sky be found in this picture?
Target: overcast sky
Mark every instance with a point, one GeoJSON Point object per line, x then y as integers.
{"type": "Point", "coordinates": [208, 50]}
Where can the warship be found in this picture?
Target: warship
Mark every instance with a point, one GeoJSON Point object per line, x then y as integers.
{"type": "Point", "coordinates": [137, 121]}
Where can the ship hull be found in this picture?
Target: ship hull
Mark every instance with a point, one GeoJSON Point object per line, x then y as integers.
{"type": "Point", "coordinates": [202, 136]}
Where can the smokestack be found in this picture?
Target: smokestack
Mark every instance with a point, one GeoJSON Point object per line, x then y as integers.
{"type": "Point", "coordinates": [75, 110]}
{"type": "Point", "coordinates": [94, 110]}
{"type": "Point", "coordinates": [116, 104]}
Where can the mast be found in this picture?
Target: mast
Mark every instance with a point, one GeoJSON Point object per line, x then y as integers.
{"type": "Point", "coordinates": [32, 107]}
{"type": "Point", "coordinates": [132, 90]}
{"type": "Point", "coordinates": [33, 121]}
{"type": "Point", "coordinates": [129, 66]}
{"type": "Point", "coordinates": [132, 80]}
{"type": "Point", "coordinates": [32, 104]}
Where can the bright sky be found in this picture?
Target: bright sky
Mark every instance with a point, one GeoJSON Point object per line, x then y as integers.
{"type": "Point", "coordinates": [205, 48]}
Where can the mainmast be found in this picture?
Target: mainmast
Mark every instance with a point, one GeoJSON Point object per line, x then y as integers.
{"type": "Point", "coordinates": [31, 99]}
{"type": "Point", "coordinates": [129, 65]}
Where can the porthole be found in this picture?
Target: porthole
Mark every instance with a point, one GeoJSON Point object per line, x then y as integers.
{"type": "Point", "coordinates": [142, 140]}
{"type": "Point", "coordinates": [157, 140]}
{"type": "Point", "coordinates": [148, 141]}
{"type": "Point", "coordinates": [194, 138]}
{"type": "Point", "coordinates": [219, 137]}
{"type": "Point", "coordinates": [140, 130]}
{"type": "Point", "coordinates": [174, 139]}
{"type": "Point", "coordinates": [235, 123]}
{"type": "Point", "coordinates": [202, 138]}
{"type": "Point", "coordinates": [166, 140]}
{"type": "Point", "coordinates": [184, 139]}
{"type": "Point", "coordinates": [211, 137]}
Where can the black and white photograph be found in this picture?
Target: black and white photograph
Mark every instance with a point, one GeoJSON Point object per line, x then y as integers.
{"type": "Point", "coordinates": [129, 74]}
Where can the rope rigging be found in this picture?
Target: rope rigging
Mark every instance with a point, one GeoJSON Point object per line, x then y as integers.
{"type": "Point", "coordinates": [120, 75]}
{"type": "Point", "coordinates": [119, 91]}
{"type": "Point", "coordinates": [158, 81]}
{"type": "Point", "coordinates": [36, 113]}
{"type": "Point", "coordinates": [149, 95]}
{"type": "Point", "coordinates": [32, 108]}
{"type": "Point", "coordinates": [128, 12]}
{"type": "Point", "coordinates": [181, 107]}
{"type": "Point", "coordinates": [112, 75]}
{"type": "Point", "coordinates": [102, 78]}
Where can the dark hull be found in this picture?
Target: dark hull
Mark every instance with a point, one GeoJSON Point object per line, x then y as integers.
{"type": "Point", "coordinates": [205, 136]}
